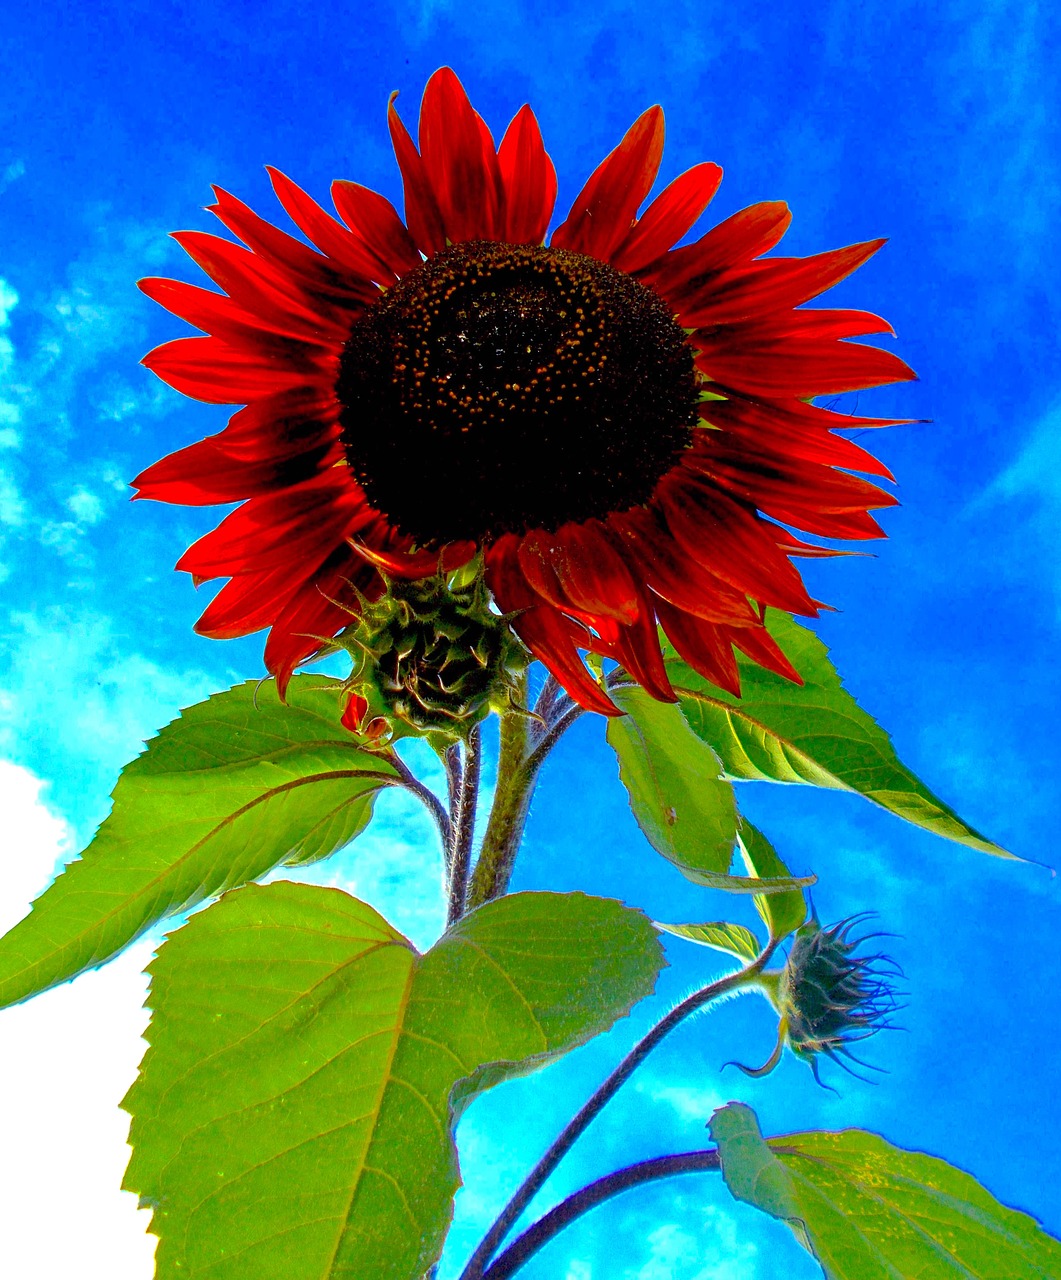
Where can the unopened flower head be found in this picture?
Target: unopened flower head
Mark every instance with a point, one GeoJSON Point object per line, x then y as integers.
{"type": "Point", "coordinates": [434, 654]}
{"type": "Point", "coordinates": [829, 996]}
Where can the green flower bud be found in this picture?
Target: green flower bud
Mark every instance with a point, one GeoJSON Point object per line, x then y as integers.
{"type": "Point", "coordinates": [435, 654]}
{"type": "Point", "coordinates": [828, 997]}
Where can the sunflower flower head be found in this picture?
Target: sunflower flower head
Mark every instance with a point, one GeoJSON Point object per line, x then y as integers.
{"type": "Point", "coordinates": [623, 432]}
{"type": "Point", "coordinates": [434, 654]}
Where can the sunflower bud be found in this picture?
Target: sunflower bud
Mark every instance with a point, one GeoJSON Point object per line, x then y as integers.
{"type": "Point", "coordinates": [434, 654]}
{"type": "Point", "coordinates": [828, 997]}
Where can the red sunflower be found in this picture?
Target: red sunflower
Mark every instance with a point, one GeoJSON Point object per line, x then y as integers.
{"type": "Point", "coordinates": [621, 428]}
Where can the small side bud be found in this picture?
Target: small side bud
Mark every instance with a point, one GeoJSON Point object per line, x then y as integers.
{"type": "Point", "coordinates": [829, 997]}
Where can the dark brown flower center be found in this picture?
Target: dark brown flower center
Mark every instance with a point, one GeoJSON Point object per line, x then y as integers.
{"type": "Point", "coordinates": [500, 388]}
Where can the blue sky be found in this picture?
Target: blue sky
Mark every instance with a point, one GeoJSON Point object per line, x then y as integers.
{"type": "Point", "coordinates": [935, 128]}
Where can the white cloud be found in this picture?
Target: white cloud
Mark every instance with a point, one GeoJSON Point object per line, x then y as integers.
{"type": "Point", "coordinates": [60, 379]}
{"type": "Point", "coordinates": [12, 506]}
{"type": "Point", "coordinates": [85, 506]}
{"type": "Point", "coordinates": [705, 1246]}
{"type": "Point", "coordinates": [73, 687]}
{"type": "Point", "coordinates": [69, 1057]}
{"type": "Point", "coordinates": [689, 1102]}
{"type": "Point", "coordinates": [1036, 470]}
{"type": "Point", "coordinates": [8, 302]}
{"type": "Point", "coordinates": [12, 173]}
{"type": "Point", "coordinates": [1030, 487]}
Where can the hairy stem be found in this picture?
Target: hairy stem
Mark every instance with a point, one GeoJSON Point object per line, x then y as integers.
{"type": "Point", "coordinates": [508, 815]}
{"type": "Point", "coordinates": [613, 1184]}
{"type": "Point", "coordinates": [463, 824]}
{"type": "Point", "coordinates": [574, 1130]}
{"type": "Point", "coordinates": [407, 779]}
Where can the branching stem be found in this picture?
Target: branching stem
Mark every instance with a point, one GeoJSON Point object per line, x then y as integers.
{"type": "Point", "coordinates": [574, 1130]}
{"type": "Point", "coordinates": [407, 779]}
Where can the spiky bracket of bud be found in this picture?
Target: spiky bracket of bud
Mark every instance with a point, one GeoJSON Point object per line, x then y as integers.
{"type": "Point", "coordinates": [432, 654]}
{"type": "Point", "coordinates": [827, 997]}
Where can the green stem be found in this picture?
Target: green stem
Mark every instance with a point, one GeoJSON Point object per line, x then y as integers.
{"type": "Point", "coordinates": [467, 799]}
{"type": "Point", "coordinates": [574, 1130]}
{"type": "Point", "coordinates": [613, 1184]}
{"type": "Point", "coordinates": [508, 816]}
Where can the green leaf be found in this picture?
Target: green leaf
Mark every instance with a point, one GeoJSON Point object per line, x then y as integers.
{"type": "Point", "coordinates": [734, 939]}
{"type": "Point", "coordinates": [782, 913]}
{"type": "Point", "coordinates": [236, 786]}
{"type": "Point", "coordinates": [681, 803]}
{"type": "Point", "coordinates": [292, 1119]}
{"type": "Point", "coordinates": [816, 733]}
{"type": "Point", "coordinates": [867, 1210]}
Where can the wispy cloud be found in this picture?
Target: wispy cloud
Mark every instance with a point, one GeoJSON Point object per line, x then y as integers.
{"type": "Point", "coordinates": [77, 700]}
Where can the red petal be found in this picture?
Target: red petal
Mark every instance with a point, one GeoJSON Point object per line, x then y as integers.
{"type": "Point", "coordinates": [273, 294]}
{"type": "Point", "coordinates": [676, 577]}
{"type": "Point", "coordinates": [322, 606]}
{"type": "Point", "coordinates": [592, 574]}
{"type": "Point", "coordinates": [218, 315]}
{"type": "Point", "coordinates": [354, 712]}
{"type": "Point", "coordinates": [639, 652]}
{"type": "Point", "coordinates": [248, 603]}
{"type": "Point", "coordinates": [601, 217]}
{"type": "Point", "coordinates": [550, 637]}
{"type": "Point", "coordinates": [281, 426]}
{"type": "Point", "coordinates": [203, 474]}
{"type": "Point", "coordinates": [321, 277]}
{"type": "Point", "coordinates": [762, 648]}
{"type": "Point", "coordinates": [460, 161]}
{"type": "Point", "coordinates": [741, 237]}
{"type": "Point", "coordinates": [535, 557]}
{"type": "Point", "coordinates": [668, 217]}
{"type": "Point", "coordinates": [529, 181]}
{"type": "Point", "coordinates": [760, 476]}
{"type": "Point", "coordinates": [703, 646]}
{"type": "Point", "coordinates": [399, 563]}
{"type": "Point", "coordinates": [775, 284]}
{"type": "Point", "coordinates": [208, 369]}
{"type": "Point", "coordinates": [302, 525]}
{"type": "Point", "coordinates": [339, 244]}
{"type": "Point", "coordinates": [422, 213]}
{"type": "Point", "coordinates": [798, 367]}
{"type": "Point", "coordinates": [732, 544]}
{"type": "Point", "coordinates": [376, 221]}
{"type": "Point", "coordinates": [794, 429]}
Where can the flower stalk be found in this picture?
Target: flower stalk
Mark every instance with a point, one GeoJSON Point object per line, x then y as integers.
{"type": "Point", "coordinates": [535, 1180]}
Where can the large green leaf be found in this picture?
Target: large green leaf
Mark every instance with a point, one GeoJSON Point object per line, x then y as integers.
{"type": "Point", "coordinates": [234, 787]}
{"type": "Point", "coordinates": [783, 913]}
{"type": "Point", "coordinates": [681, 802]}
{"type": "Point", "coordinates": [293, 1115]}
{"type": "Point", "coordinates": [869, 1211]}
{"type": "Point", "coordinates": [816, 733]}
{"type": "Point", "coordinates": [678, 796]}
